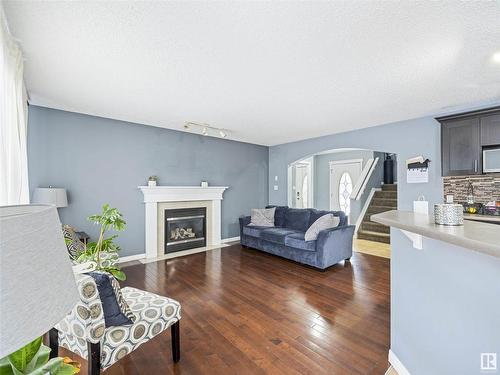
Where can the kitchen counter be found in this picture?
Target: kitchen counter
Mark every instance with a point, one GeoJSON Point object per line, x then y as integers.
{"type": "Point", "coordinates": [473, 235]}
{"type": "Point", "coordinates": [485, 218]}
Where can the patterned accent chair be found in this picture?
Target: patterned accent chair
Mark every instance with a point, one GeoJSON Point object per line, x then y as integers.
{"type": "Point", "coordinates": [83, 330]}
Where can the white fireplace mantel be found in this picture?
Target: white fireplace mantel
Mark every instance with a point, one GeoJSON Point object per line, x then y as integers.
{"type": "Point", "coordinates": [154, 195]}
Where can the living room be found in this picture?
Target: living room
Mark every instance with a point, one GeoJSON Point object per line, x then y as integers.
{"type": "Point", "coordinates": [249, 187]}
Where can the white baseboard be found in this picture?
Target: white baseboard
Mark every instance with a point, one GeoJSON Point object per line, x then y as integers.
{"type": "Point", "coordinates": [131, 258]}
{"type": "Point", "coordinates": [231, 239]}
{"type": "Point", "coordinates": [397, 364]}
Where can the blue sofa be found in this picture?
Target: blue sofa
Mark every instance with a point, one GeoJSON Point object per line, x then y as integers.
{"type": "Point", "coordinates": [286, 238]}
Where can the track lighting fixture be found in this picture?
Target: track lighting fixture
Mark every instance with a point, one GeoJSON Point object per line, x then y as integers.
{"type": "Point", "coordinates": [205, 129]}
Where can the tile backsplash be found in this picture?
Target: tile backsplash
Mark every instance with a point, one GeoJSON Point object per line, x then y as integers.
{"type": "Point", "coordinates": [486, 187]}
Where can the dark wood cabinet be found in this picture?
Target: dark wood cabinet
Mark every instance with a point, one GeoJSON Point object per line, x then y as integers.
{"type": "Point", "coordinates": [463, 137]}
{"type": "Point", "coordinates": [490, 130]}
{"type": "Point", "coordinates": [461, 147]}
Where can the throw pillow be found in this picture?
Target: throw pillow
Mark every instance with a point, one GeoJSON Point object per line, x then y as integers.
{"type": "Point", "coordinates": [114, 306]}
{"type": "Point", "coordinates": [324, 222]}
{"type": "Point", "coordinates": [262, 217]}
{"type": "Point", "coordinates": [279, 215]}
{"type": "Point", "coordinates": [73, 243]}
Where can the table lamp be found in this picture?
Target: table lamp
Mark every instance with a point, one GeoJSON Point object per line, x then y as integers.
{"type": "Point", "coordinates": [37, 286]}
{"type": "Point", "coordinates": [53, 196]}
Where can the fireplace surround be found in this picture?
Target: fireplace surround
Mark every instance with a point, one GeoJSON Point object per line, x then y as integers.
{"type": "Point", "coordinates": [157, 199]}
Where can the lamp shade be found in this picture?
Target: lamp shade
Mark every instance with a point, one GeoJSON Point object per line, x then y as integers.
{"type": "Point", "coordinates": [37, 286]}
{"type": "Point", "coordinates": [53, 196]}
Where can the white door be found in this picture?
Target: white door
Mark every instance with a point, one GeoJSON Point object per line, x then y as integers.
{"type": "Point", "coordinates": [343, 176]}
{"type": "Point", "coordinates": [301, 184]}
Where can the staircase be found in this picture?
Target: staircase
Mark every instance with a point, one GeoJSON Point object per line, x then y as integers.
{"type": "Point", "coordinates": [384, 200]}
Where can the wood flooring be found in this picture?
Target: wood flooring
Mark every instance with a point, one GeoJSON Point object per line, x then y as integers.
{"type": "Point", "coordinates": [248, 312]}
{"type": "Point", "coordinates": [378, 249]}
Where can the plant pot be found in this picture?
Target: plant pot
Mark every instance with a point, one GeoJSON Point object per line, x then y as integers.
{"type": "Point", "coordinates": [151, 183]}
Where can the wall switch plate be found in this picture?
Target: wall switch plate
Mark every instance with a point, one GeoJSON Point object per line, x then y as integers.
{"type": "Point", "coordinates": [275, 178]}
{"type": "Point", "coordinates": [275, 187]}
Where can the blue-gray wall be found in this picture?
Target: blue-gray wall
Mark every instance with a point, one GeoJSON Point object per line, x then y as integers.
{"type": "Point", "coordinates": [322, 173]}
{"type": "Point", "coordinates": [100, 160]}
{"type": "Point", "coordinates": [445, 305]}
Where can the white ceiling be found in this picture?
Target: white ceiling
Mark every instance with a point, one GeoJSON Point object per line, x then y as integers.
{"type": "Point", "coordinates": [270, 72]}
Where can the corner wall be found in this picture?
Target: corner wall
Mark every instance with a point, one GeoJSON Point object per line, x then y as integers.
{"type": "Point", "coordinates": [100, 160]}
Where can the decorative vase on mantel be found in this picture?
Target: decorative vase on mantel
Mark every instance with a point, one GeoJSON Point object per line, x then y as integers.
{"type": "Point", "coordinates": [152, 180]}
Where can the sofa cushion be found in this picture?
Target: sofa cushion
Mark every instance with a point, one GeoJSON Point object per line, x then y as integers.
{"type": "Point", "coordinates": [253, 231]}
{"type": "Point", "coordinates": [279, 215]}
{"type": "Point", "coordinates": [297, 219]}
{"type": "Point", "coordinates": [297, 241]}
{"type": "Point", "coordinates": [276, 234]}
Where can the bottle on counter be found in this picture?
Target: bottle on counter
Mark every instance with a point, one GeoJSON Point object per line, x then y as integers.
{"type": "Point", "coordinates": [470, 193]}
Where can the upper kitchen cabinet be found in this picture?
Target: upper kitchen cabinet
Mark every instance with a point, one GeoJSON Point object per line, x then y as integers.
{"type": "Point", "coordinates": [490, 130]}
{"type": "Point", "coordinates": [461, 146]}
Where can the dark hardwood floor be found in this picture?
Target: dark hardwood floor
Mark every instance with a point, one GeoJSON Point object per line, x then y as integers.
{"type": "Point", "coordinates": [248, 312]}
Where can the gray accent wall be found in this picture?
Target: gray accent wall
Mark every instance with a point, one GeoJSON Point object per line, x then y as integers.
{"type": "Point", "coordinates": [322, 179]}
{"type": "Point", "coordinates": [444, 299]}
{"type": "Point", "coordinates": [100, 160]}
{"type": "Point", "coordinates": [322, 174]}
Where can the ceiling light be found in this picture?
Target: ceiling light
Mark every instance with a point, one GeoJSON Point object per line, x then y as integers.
{"type": "Point", "coordinates": [205, 129]}
{"type": "Point", "coordinates": [496, 57]}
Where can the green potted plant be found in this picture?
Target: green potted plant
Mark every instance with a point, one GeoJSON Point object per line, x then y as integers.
{"type": "Point", "coordinates": [34, 359]}
{"type": "Point", "coordinates": [104, 253]}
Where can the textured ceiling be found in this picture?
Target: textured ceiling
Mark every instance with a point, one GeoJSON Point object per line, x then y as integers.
{"type": "Point", "coordinates": [270, 72]}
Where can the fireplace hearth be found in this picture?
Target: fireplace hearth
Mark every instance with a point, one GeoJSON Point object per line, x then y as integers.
{"type": "Point", "coordinates": [185, 228]}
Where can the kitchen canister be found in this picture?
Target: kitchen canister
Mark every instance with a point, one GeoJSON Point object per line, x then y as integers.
{"type": "Point", "coordinates": [449, 214]}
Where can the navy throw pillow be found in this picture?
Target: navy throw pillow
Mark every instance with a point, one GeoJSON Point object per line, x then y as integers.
{"type": "Point", "coordinates": [113, 315]}
{"type": "Point", "coordinates": [279, 215]}
{"type": "Point", "coordinates": [297, 219]}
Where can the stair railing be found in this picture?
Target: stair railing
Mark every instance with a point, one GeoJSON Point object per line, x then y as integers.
{"type": "Point", "coordinates": [363, 179]}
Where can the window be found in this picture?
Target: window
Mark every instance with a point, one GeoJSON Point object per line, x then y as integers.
{"type": "Point", "coordinates": [345, 190]}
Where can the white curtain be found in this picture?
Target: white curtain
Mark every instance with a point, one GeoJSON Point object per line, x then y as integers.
{"type": "Point", "coordinates": [14, 188]}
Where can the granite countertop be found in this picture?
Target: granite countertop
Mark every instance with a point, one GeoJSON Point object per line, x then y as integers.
{"type": "Point", "coordinates": [474, 235]}
{"type": "Point", "coordinates": [479, 217]}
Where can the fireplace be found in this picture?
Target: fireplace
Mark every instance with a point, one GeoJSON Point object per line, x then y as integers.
{"type": "Point", "coordinates": [185, 228]}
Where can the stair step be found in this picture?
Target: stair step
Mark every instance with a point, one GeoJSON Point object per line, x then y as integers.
{"type": "Point", "coordinates": [389, 187]}
{"type": "Point", "coordinates": [390, 202]}
{"type": "Point", "coordinates": [372, 209]}
{"type": "Point", "coordinates": [386, 194]}
{"type": "Point", "coordinates": [374, 236]}
{"type": "Point", "coordinates": [375, 227]}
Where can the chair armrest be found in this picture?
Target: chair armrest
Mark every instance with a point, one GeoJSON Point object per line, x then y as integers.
{"type": "Point", "coordinates": [86, 319]}
{"type": "Point", "coordinates": [244, 220]}
{"type": "Point", "coordinates": [335, 244]}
